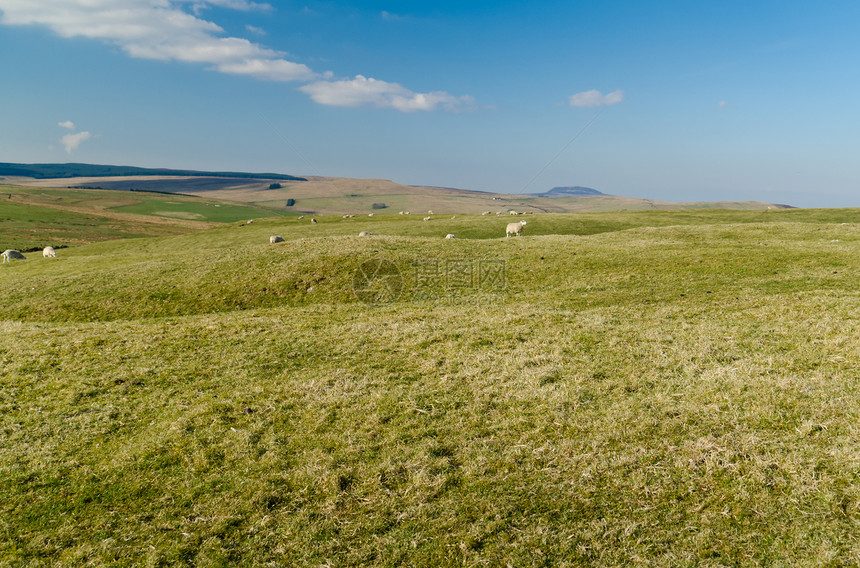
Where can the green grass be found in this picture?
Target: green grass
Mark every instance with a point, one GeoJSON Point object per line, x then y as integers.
{"type": "Point", "coordinates": [196, 209]}
{"type": "Point", "coordinates": [24, 226]}
{"type": "Point", "coordinates": [641, 392]}
{"type": "Point", "coordinates": [32, 218]}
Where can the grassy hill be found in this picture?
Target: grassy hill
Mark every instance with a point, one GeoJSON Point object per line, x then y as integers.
{"type": "Point", "coordinates": [329, 195]}
{"type": "Point", "coordinates": [32, 218]}
{"type": "Point", "coordinates": [664, 388]}
{"type": "Point", "coordinates": [72, 170]}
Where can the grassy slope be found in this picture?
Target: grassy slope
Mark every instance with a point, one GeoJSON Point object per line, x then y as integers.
{"type": "Point", "coordinates": [32, 218]}
{"type": "Point", "coordinates": [327, 195]}
{"type": "Point", "coordinates": [646, 392]}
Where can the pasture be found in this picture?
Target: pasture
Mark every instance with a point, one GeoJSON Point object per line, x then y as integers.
{"type": "Point", "coordinates": [32, 218]}
{"type": "Point", "coordinates": [641, 388]}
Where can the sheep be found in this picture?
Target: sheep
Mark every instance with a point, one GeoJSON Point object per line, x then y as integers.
{"type": "Point", "coordinates": [49, 252]}
{"type": "Point", "coordinates": [313, 221]}
{"type": "Point", "coordinates": [512, 212]}
{"type": "Point", "coordinates": [450, 236]}
{"type": "Point", "coordinates": [515, 229]}
{"type": "Point", "coordinates": [486, 213]}
{"type": "Point", "coordinates": [365, 234]}
{"type": "Point", "coordinates": [370, 214]}
{"type": "Point", "coordinates": [427, 218]}
{"type": "Point", "coordinates": [249, 222]}
{"type": "Point", "coordinates": [301, 216]}
{"type": "Point", "coordinates": [9, 255]}
{"type": "Point", "coordinates": [275, 239]}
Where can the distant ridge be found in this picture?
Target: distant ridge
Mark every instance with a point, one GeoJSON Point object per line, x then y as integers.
{"type": "Point", "coordinates": [51, 171]}
{"type": "Point", "coordinates": [567, 191]}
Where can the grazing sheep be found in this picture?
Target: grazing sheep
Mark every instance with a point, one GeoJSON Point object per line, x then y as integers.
{"type": "Point", "coordinates": [365, 234]}
{"type": "Point", "coordinates": [512, 212]}
{"type": "Point", "coordinates": [430, 212]}
{"type": "Point", "coordinates": [515, 229]}
{"type": "Point", "coordinates": [314, 221]}
{"type": "Point", "coordinates": [249, 222]}
{"type": "Point", "coordinates": [301, 216]}
{"type": "Point", "coordinates": [275, 239]}
{"type": "Point", "coordinates": [450, 236]}
{"type": "Point", "coordinates": [9, 255]}
{"type": "Point", "coordinates": [401, 212]}
{"type": "Point", "coordinates": [427, 218]}
{"type": "Point", "coordinates": [485, 213]}
{"type": "Point", "coordinates": [370, 214]}
{"type": "Point", "coordinates": [49, 252]}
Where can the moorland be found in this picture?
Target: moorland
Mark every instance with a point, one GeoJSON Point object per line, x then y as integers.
{"type": "Point", "coordinates": [662, 388]}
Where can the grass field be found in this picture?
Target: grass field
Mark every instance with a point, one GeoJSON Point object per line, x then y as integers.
{"type": "Point", "coordinates": [332, 195]}
{"type": "Point", "coordinates": [649, 388]}
{"type": "Point", "coordinates": [33, 218]}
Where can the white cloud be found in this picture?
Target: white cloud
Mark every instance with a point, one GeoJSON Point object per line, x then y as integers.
{"type": "Point", "coordinates": [158, 29]}
{"type": "Point", "coordinates": [255, 30]}
{"type": "Point", "coordinates": [388, 16]}
{"type": "Point", "coordinates": [165, 30]}
{"type": "Point", "coordinates": [725, 104]}
{"type": "Point", "coordinates": [594, 98]}
{"type": "Point", "coordinates": [366, 91]}
{"type": "Point", "coordinates": [68, 124]}
{"type": "Point", "coordinates": [72, 141]}
{"type": "Point", "coordinates": [243, 5]}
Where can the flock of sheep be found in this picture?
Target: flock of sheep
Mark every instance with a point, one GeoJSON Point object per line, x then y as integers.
{"type": "Point", "coordinates": [512, 230]}
{"type": "Point", "coordinates": [10, 254]}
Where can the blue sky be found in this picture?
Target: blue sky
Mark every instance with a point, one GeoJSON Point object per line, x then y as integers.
{"type": "Point", "coordinates": [679, 101]}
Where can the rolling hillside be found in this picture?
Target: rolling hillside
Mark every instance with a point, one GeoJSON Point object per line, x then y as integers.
{"type": "Point", "coordinates": [665, 388]}
{"type": "Point", "coordinates": [322, 195]}
{"type": "Point", "coordinates": [32, 218]}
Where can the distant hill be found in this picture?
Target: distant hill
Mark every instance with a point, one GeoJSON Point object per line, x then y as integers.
{"type": "Point", "coordinates": [567, 191]}
{"type": "Point", "coordinates": [56, 171]}
{"type": "Point", "coordinates": [321, 194]}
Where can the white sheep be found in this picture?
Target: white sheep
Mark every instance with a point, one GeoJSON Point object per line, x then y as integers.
{"type": "Point", "coordinates": [49, 252]}
{"type": "Point", "coordinates": [515, 229]}
{"type": "Point", "coordinates": [301, 216]}
{"type": "Point", "coordinates": [370, 214]}
{"type": "Point", "coordinates": [450, 236]}
{"type": "Point", "coordinates": [365, 234]}
{"type": "Point", "coordinates": [512, 212]}
{"type": "Point", "coordinates": [9, 255]}
{"type": "Point", "coordinates": [427, 218]}
{"type": "Point", "coordinates": [275, 239]}
{"type": "Point", "coordinates": [313, 221]}
{"type": "Point", "coordinates": [485, 213]}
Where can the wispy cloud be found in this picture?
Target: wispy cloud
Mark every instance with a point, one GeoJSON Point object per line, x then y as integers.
{"type": "Point", "coordinates": [158, 29]}
{"type": "Point", "coordinates": [389, 17]}
{"type": "Point", "coordinates": [165, 30]}
{"type": "Point", "coordinates": [67, 124]}
{"type": "Point", "coordinates": [725, 104]}
{"type": "Point", "coordinates": [72, 141]}
{"type": "Point", "coordinates": [255, 30]}
{"type": "Point", "coordinates": [366, 91]}
{"type": "Point", "coordinates": [595, 98]}
{"type": "Point", "coordinates": [243, 5]}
